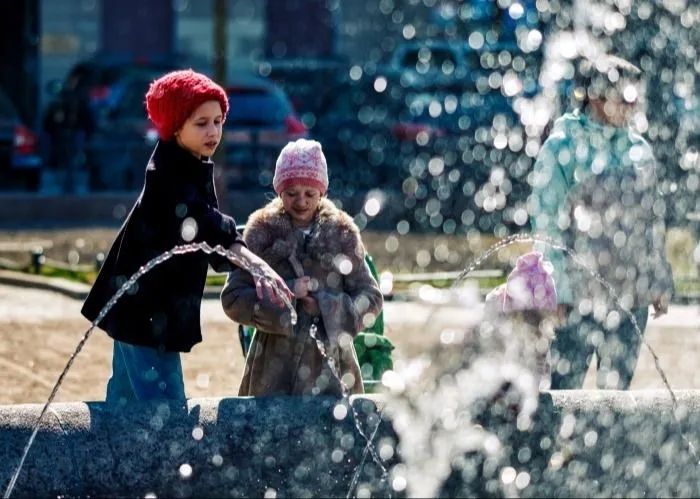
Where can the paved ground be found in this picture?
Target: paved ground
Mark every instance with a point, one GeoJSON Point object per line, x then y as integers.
{"type": "Point", "coordinates": [40, 329]}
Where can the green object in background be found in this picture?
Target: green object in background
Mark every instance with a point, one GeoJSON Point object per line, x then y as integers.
{"type": "Point", "coordinates": [378, 326]}
{"type": "Point", "coordinates": [374, 355]}
{"type": "Point", "coordinates": [373, 348]}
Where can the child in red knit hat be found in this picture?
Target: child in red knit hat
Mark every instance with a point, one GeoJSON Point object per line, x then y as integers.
{"type": "Point", "coordinates": [159, 316]}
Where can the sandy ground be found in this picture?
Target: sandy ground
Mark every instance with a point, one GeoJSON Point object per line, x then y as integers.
{"type": "Point", "coordinates": [39, 330]}
{"type": "Point", "coordinates": [411, 252]}
{"type": "Point", "coordinates": [390, 251]}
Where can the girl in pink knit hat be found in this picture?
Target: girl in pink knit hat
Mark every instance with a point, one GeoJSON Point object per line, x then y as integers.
{"type": "Point", "coordinates": [525, 309]}
{"type": "Point", "coordinates": [316, 247]}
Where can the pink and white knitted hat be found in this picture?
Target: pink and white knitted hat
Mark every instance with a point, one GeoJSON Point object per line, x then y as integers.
{"type": "Point", "coordinates": [530, 286]}
{"type": "Point", "coordinates": [301, 162]}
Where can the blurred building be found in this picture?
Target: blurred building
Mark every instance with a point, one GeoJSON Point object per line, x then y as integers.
{"type": "Point", "coordinates": [20, 55]}
{"type": "Point", "coordinates": [41, 40]}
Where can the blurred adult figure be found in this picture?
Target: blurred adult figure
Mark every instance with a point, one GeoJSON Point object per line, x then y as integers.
{"type": "Point", "coordinates": [595, 189]}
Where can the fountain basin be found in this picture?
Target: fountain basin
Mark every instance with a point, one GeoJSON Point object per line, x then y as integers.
{"type": "Point", "coordinates": [584, 443]}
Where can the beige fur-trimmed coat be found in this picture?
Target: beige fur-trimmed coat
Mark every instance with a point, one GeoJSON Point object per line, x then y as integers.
{"type": "Point", "coordinates": [284, 359]}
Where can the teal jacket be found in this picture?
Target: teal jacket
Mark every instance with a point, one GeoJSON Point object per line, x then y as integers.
{"type": "Point", "coordinates": [579, 148]}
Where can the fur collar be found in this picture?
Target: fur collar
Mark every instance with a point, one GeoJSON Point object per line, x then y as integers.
{"type": "Point", "coordinates": [269, 233]}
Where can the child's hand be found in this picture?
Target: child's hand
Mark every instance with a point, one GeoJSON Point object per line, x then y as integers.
{"type": "Point", "coordinates": [310, 306]}
{"type": "Point", "coordinates": [268, 282]}
{"type": "Point", "coordinates": [302, 287]}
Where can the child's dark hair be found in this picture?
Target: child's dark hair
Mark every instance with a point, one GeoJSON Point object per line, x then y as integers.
{"type": "Point", "coordinates": [596, 76]}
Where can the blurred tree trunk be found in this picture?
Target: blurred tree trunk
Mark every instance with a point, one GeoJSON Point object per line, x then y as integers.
{"type": "Point", "coordinates": [220, 44]}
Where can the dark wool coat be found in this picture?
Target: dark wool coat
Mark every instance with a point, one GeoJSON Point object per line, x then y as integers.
{"type": "Point", "coordinates": [284, 359]}
{"type": "Point", "coordinates": [162, 310]}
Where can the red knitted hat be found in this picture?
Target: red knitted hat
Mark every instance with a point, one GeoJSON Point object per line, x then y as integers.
{"type": "Point", "coordinates": [172, 98]}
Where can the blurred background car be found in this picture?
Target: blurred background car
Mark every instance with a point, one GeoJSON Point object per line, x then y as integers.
{"type": "Point", "coordinates": [260, 122]}
{"type": "Point", "coordinates": [86, 108]}
{"type": "Point", "coordinates": [95, 82]}
{"type": "Point", "coordinates": [426, 137]}
{"type": "Point", "coordinates": [123, 139]}
{"type": "Point", "coordinates": [20, 161]}
{"type": "Point", "coordinates": [306, 82]}
{"type": "Point", "coordinates": [354, 123]}
{"type": "Point", "coordinates": [432, 60]}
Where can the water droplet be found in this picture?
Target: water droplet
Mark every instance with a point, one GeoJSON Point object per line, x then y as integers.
{"type": "Point", "coordinates": [508, 475]}
{"type": "Point", "coordinates": [522, 480]}
{"type": "Point", "coordinates": [348, 379]}
{"type": "Point", "coordinates": [380, 84]}
{"type": "Point", "coordinates": [202, 380]}
{"type": "Point", "coordinates": [198, 433]}
{"type": "Point", "coordinates": [386, 451]}
{"type": "Point", "coordinates": [185, 471]}
{"type": "Point", "coordinates": [356, 72]}
{"type": "Point", "coordinates": [399, 484]}
{"type": "Point", "coordinates": [73, 257]}
{"type": "Point", "coordinates": [364, 492]}
{"type": "Point", "coordinates": [337, 455]}
{"type": "Point", "coordinates": [343, 264]}
{"type": "Point", "coordinates": [181, 210]}
{"type": "Point", "coordinates": [476, 40]}
{"type": "Point", "coordinates": [189, 229]}
{"type": "Point", "coordinates": [372, 207]}
{"type": "Point", "coordinates": [590, 438]}
{"type": "Point", "coordinates": [516, 10]}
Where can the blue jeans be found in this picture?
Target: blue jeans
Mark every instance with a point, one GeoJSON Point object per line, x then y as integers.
{"type": "Point", "coordinates": [143, 373]}
{"type": "Point", "coordinates": [617, 351]}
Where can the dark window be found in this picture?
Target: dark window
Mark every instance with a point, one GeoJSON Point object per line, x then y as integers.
{"type": "Point", "coordinates": [437, 58]}
{"type": "Point", "coordinates": [109, 75]}
{"type": "Point", "coordinates": [87, 75]}
{"type": "Point", "coordinates": [472, 60]}
{"type": "Point", "coordinates": [361, 104]}
{"type": "Point", "coordinates": [132, 104]}
{"type": "Point", "coordinates": [7, 110]}
{"type": "Point", "coordinates": [78, 79]}
{"type": "Point", "coordinates": [256, 106]}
